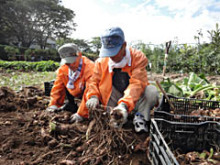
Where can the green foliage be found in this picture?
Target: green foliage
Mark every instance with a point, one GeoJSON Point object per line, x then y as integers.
{"type": "Point", "coordinates": [172, 88]}
{"type": "Point", "coordinates": [157, 60]}
{"type": "Point", "coordinates": [191, 86]}
{"type": "Point", "coordinates": [30, 66]}
{"type": "Point", "coordinates": [11, 50]}
{"type": "Point", "coordinates": [3, 54]}
{"type": "Point", "coordinates": [215, 38]}
{"type": "Point", "coordinates": [201, 58]}
{"type": "Point", "coordinates": [48, 54]}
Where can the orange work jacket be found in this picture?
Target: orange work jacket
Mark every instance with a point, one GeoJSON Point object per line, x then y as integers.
{"type": "Point", "coordinates": [101, 82]}
{"type": "Point", "coordinates": [58, 93]}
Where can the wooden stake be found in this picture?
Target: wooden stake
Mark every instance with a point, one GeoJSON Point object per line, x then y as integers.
{"type": "Point", "coordinates": [161, 89]}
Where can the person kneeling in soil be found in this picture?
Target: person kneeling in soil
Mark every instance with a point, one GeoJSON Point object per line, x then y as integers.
{"type": "Point", "coordinates": [72, 79]}
{"type": "Point", "coordinates": [120, 81]}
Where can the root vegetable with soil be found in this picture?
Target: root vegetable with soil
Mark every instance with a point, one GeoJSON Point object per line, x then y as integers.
{"type": "Point", "coordinates": [27, 138]}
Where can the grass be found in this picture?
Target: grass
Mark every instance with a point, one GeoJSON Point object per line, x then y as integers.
{"type": "Point", "coordinates": [15, 79]}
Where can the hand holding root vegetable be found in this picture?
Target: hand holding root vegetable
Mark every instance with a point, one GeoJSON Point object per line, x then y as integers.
{"type": "Point", "coordinates": [118, 116]}
{"type": "Point", "coordinates": [52, 108]}
{"type": "Point", "coordinates": [92, 103]}
{"type": "Point", "coordinates": [75, 118]}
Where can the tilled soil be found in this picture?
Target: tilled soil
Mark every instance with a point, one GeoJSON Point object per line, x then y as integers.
{"type": "Point", "coordinates": [29, 135]}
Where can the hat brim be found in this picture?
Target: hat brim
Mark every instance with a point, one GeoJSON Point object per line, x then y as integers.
{"type": "Point", "coordinates": [68, 60]}
{"type": "Point", "coordinates": [110, 52]}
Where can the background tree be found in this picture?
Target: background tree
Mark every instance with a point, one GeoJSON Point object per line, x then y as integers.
{"type": "Point", "coordinates": [213, 56]}
{"type": "Point", "coordinates": [34, 21]}
{"type": "Point", "coordinates": [96, 44]}
{"type": "Point", "coordinates": [4, 32]}
{"type": "Point", "coordinates": [82, 44]}
{"type": "Point", "coordinates": [51, 20]}
{"type": "Point", "coordinates": [215, 37]}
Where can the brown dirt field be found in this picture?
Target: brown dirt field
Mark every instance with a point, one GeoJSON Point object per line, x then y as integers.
{"type": "Point", "coordinates": [26, 137]}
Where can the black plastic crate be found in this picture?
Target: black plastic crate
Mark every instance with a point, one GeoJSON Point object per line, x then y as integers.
{"type": "Point", "coordinates": [167, 136]}
{"type": "Point", "coordinates": [47, 87]}
{"type": "Point", "coordinates": [183, 108]}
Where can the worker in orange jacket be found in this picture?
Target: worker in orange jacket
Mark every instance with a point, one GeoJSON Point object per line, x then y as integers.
{"type": "Point", "coordinates": [120, 81]}
{"type": "Point", "coordinates": [73, 77]}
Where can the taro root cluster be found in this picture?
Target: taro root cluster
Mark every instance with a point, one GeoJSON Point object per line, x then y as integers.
{"type": "Point", "coordinates": [97, 143]}
{"type": "Point", "coordinates": [32, 136]}
{"type": "Point", "coordinates": [208, 112]}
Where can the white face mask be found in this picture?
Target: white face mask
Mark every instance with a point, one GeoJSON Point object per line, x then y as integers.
{"type": "Point", "coordinates": [120, 64]}
{"type": "Point", "coordinates": [125, 60]}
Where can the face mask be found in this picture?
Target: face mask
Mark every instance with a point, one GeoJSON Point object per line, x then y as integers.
{"type": "Point", "coordinates": [125, 60]}
{"type": "Point", "coordinates": [120, 64]}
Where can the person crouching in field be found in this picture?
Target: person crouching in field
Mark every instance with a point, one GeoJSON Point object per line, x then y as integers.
{"type": "Point", "coordinates": [120, 81]}
{"type": "Point", "coordinates": [71, 82]}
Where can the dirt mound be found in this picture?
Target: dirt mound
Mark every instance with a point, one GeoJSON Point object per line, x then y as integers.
{"type": "Point", "coordinates": [27, 98]}
{"type": "Point", "coordinates": [29, 135]}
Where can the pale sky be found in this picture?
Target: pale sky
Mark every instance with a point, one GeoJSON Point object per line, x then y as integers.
{"type": "Point", "coordinates": [149, 21]}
